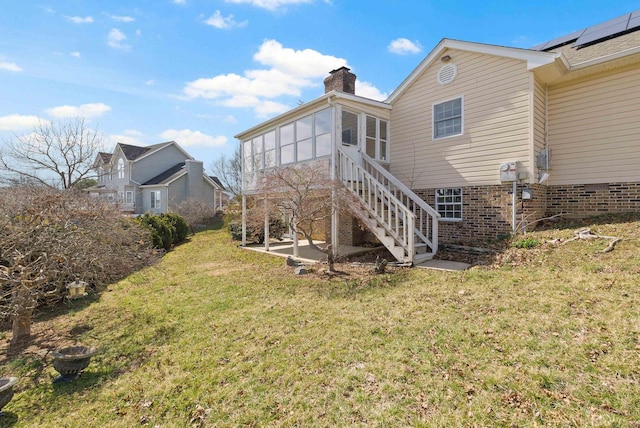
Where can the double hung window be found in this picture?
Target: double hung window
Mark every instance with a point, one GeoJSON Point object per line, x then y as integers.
{"type": "Point", "coordinates": [447, 118]}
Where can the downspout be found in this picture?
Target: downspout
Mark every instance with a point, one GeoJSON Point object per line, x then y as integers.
{"type": "Point", "coordinates": [514, 202]}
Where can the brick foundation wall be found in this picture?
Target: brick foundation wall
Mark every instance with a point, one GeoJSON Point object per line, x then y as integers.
{"type": "Point", "coordinates": [350, 232]}
{"type": "Point", "coordinates": [583, 200]}
{"type": "Point", "coordinates": [486, 212]}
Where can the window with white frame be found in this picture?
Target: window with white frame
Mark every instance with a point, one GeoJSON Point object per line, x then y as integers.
{"type": "Point", "coordinates": [449, 204]}
{"type": "Point", "coordinates": [323, 132]}
{"type": "Point", "coordinates": [287, 144]}
{"type": "Point", "coordinates": [376, 138]}
{"type": "Point", "coordinates": [155, 199]}
{"type": "Point", "coordinates": [270, 149]}
{"type": "Point", "coordinates": [304, 141]}
{"type": "Point", "coordinates": [447, 118]}
{"type": "Point", "coordinates": [120, 168]}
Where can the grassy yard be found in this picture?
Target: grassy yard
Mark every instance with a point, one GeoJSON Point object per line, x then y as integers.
{"type": "Point", "coordinates": [217, 336]}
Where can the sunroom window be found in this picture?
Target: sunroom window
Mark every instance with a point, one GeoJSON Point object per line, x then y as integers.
{"type": "Point", "coordinates": [376, 141]}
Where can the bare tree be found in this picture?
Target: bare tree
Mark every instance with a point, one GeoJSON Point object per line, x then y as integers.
{"type": "Point", "coordinates": [305, 196]}
{"type": "Point", "coordinates": [56, 154]}
{"type": "Point", "coordinates": [229, 171]}
{"type": "Point", "coordinates": [196, 212]}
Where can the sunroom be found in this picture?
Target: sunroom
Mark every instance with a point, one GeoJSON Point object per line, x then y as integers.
{"type": "Point", "coordinates": [311, 133]}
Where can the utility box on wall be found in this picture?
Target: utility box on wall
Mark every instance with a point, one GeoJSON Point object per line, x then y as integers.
{"type": "Point", "coordinates": [509, 171]}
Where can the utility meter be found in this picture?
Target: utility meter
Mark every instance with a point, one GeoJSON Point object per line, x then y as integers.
{"type": "Point", "coordinates": [509, 171]}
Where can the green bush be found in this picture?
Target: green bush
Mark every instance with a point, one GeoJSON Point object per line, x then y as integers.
{"type": "Point", "coordinates": [180, 225]}
{"type": "Point", "coordinates": [277, 228]}
{"type": "Point", "coordinates": [526, 243]}
{"type": "Point", "coordinates": [166, 229]}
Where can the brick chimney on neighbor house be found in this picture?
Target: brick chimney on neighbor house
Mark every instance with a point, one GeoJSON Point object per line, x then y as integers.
{"type": "Point", "coordinates": [340, 79]}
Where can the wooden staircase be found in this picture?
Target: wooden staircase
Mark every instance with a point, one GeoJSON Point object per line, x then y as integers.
{"type": "Point", "coordinates": [405, 224]}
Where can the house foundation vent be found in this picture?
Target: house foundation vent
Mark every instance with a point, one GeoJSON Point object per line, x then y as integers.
{"type": "Point", "coordinates": [447, 73]}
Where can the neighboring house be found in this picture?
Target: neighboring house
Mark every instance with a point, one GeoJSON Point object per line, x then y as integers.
{"type": "Point", "coordinates": [479, 140]}
{"type": "Point", "coordinates": [154, 178]}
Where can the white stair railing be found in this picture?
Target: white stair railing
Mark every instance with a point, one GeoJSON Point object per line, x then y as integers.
{"type": "Point", "coordinates": [390, 213]}
{"type": "Point", "coordinates": [387, 199]}
{"type": "Point", "coordinates": [426, 216]}
{"type": "Point", "coordinates": [406, 217]}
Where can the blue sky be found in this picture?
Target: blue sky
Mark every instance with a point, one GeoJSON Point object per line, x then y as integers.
{"type": "Point", "coordinates": [200, 71]}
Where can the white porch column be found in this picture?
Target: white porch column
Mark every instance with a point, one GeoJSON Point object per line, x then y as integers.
{"type": "Point", "coordinates": [266, 224]}
{"type": "Point", "coordinates": [295, 240]}
{"type": "Point", "coordinates": [335, 222]}
{"type": "Point", "coordinates": [244, 220]}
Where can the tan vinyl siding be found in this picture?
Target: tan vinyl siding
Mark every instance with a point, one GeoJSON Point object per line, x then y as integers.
{"type": "Point", "coordinates": [594, 131]}
{"type": "Point", "coordinates": [539, 116]}
{"type": "Point", "coordinates": [496, 123]}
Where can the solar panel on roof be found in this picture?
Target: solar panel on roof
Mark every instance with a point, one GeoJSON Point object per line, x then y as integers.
{"type": "Point", "coordinates": [634, 22]}
{"type": "Point", "coordinates": [604, 30]}
{"type": "Point", "coordinates": [560, 41]}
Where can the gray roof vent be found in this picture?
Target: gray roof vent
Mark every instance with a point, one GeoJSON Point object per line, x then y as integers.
{"type": "Point", "coordinates": [447, 73]}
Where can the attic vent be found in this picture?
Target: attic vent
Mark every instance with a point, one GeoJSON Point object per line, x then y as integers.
{"type": "Point", "coordinates": [447, 73]}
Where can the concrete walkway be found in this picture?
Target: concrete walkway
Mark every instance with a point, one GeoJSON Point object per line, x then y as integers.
{"type": "Point", "coordinates": [447, 265]}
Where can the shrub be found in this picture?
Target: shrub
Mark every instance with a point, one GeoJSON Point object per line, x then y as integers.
{"type": "Point", "coordinates": [49, 238]}
{"type": "Point", "coordinates": [166, 229]}
{"type": "Point", "coordinates": [196, 212]}
{"type": "Point", "coordinates": [277, 228]}
{"type": "Point", "coordinates": [180, 225]}
{"type": "Point", "coordinates": [526, 243]}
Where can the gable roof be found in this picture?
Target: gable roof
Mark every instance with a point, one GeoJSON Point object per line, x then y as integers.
{"type": "Point", "coordinates": [533, 58]}
{"type": "Point", "coordinates": [167, 176]}
{"type": "Point", "coordinates": [101, 159]}
{"type": "Point", "coordinates": [132, 152]}
{"type": "Point", "coordinates": [217, 181]}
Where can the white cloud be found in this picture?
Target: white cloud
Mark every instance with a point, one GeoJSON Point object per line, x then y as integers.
{"type": "Point", "coordinates": [367, 90]}
{"type": "Point", "coordinates": [120, 18]}
{"type": "Point", "coordinates": [116, 39]}
{"type": "Point", "coordinates": [75, 54]}
{"type": "Point", "coordinates": [9, 66]}
{"type": "Point", "coordinates": [189, 138]}
{"type": "Point", "coordinates": [289, 71]}
{"type": "Point", "coordinates": [404, 46]}
{"type": "Point", "coordinates": [18, 122]}
{"type": "Point", "coordinates": [222, 22]}
{"type": "Point", "coordinates": [150, 82]}
{"type": "Point", "coordinates": [180, 1]}
{"type": "Point", "coordinates": [79, 19]}
{"type": "Point", "coordinates": [270, 4]}
{"type": "Point", "coordinates": [114, 139]}
{"type": "Point", "coordinates": [47, 9]}
{"type": "Point", "coordinates": [85, 110]}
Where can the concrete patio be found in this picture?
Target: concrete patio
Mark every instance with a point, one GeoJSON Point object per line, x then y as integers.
{"type": "Point", "coordinates": [307, 254]}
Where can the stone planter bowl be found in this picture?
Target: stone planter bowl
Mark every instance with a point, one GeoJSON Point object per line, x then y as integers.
{"type": "Point", "coordinates": [6, 390]}
{"type": "Point", "coordinates": [71, 361]}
